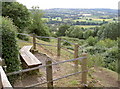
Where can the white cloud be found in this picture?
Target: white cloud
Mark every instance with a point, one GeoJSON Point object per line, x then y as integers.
{"type": "Point", "coordinates": [43, 4]}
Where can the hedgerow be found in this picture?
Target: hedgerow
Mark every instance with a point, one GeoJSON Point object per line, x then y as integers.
{"type": "Point", "coordinates": [9, 46]}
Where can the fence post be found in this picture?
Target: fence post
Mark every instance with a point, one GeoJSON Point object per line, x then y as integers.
{"type": "Point", "coordinates": [58, 47]}
{"type": "Point", "coordinates": [76, 55]}
{"type": "Point", "coordinates": [49, 75]}
{"type": "Point", "coordinates": [34, 41]}
{"type": "Point", "coordinates": [84, 68]}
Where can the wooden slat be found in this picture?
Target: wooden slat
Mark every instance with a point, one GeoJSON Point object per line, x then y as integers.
{"type": "Point", "coordinates": [33, 60]}
{"type": "Point", "coordinates": [4, 79]}
{"type": "Point", "coordinates": [26, 48]}
{"type": "Point", "coordinates": [28, 57]}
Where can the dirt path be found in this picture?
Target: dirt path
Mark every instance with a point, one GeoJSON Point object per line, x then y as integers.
{"type": "Point", "coordinates": [31, 79]}
{"type": "Point", "coordinates": [58, 71]}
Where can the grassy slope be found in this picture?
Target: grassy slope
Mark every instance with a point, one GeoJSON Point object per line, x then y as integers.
{"type": "Point", "coordinates": [97, 77]}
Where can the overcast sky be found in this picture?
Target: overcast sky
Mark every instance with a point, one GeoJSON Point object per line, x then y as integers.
{"type": "Point", "coordinates": [46, 4]}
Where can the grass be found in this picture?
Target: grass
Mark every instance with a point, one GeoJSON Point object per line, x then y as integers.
{"type": "Point", "coordinates": [66, 68]}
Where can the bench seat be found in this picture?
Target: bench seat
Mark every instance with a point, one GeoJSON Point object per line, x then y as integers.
{"type": "Point", "coordinates": [28, 57]}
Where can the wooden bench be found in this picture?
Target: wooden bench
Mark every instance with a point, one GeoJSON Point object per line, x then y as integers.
{"type": "Point", "coordinates": [4, 83]}
{"type": "Point", "coordinates": [28, 57]}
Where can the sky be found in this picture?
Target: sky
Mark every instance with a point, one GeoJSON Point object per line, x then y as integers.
{"type": "Point", "coordinates": [47, 4]}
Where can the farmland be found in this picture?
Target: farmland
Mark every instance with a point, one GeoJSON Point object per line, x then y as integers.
{"type": "Point", "coordinates": [68, 47]}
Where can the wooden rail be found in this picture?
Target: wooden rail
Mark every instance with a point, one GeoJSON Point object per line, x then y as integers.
{"type": "Point", "coordinates": [42, 66]}
{"type": "Point", "coordinates": [49, 72]}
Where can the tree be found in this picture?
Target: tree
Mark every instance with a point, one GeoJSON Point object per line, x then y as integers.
{"type": "Point", "coordinates": [110, 30]}
{"type": "Point", "coordinates": [92, 40]}
{"type": "Point", "coordinates": [74, 31]}
{"type": "Point", "coordinates": [62, 30]}
{"type": "Point", "coordinates": [17, 12]}
{"type": "Point", "coordinates": [37, 25]}
{"type": "Point", "coordinates": [87, 34]}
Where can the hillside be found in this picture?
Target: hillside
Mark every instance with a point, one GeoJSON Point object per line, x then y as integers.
{"type": "Point", "coordinates": [97, 76]}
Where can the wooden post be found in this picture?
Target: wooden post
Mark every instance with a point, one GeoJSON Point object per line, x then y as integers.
{"type": "Point", "coordinates": [58, 47]}
{"type": "Point", "coordinates": [1, 62]}
{"type": "Point", "coordinates": [49, 74]}
{"type": "Point", "coordinates": [84, 68]}
{"type": "Point", "coordinates": [76, 55]}
{"type": "Point", "coordinates": [34, 41]}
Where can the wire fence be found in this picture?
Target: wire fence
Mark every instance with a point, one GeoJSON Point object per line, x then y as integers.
{"type": "Point", "coordinates": [75, 60]}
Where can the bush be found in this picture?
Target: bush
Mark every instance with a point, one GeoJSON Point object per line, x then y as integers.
{"type": "Point", "coordinates": [111, 57]}
{"type": "Point", "coordinates": [108, 43]}
{"type": "Point", "coordinates": [95, 60]}
{"type": "Point", "coordinates": [9, 47]}
{"type": "Point", "coordinates": [92, 40]}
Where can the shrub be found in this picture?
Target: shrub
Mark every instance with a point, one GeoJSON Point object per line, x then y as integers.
{"type": "Point", "coordinates": [106, 43]}
{"type": "Point", "coordinates": [92, 40]}
{"type": "Point", "coordinates": [111, 57]}
{"type": "Point", "coordinates": [95, 60]}
{"type": "Point", "coordinates": [9, 47]}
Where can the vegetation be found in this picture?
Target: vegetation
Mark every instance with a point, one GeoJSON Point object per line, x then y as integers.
{"type": "Point", "coordinates": [37, 26]}
{"type": "Point", "coordinates": [62, 29]}
{"type": "Point", "coordinates": [97, 33]}
{"type": "Point", "coordinates": [9, 46]}
{"type": "Point", "coordinates": [19, 15]}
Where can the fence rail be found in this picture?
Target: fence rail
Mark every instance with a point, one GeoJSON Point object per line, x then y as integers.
{"type": "Point", "coordinates": [42, 66]}
{"type": "Point", "coordinates": [69, 42]}
{"type": "Point", "coordinates": [46, 37]}
{"type": "Point", "coordinates": [46, 45]}
{"type": "Point", "coordinates": [55, 79]}
{"type": "Point", "coordinates": [67, 50]}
